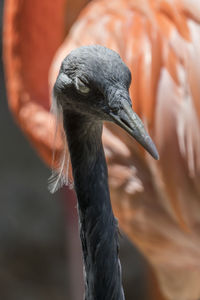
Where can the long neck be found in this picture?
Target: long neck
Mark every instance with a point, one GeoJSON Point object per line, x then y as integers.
{"type": "Point", "coordinates": [98, 227]}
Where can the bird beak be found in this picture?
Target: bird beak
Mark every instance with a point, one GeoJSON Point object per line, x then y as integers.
{"type": "Point", "coordinates": [127, 119]}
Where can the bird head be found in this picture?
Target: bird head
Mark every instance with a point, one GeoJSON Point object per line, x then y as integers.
{"type": "Point", "coordinates": [94, 81]}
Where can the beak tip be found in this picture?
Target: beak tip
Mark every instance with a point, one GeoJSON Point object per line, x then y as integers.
{"type": "Point", "coordinates": [157, 157]}
{"type": "Point", "coordinates": [151, 148]}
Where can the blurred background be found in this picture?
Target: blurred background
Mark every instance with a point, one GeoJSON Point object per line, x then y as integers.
{"type": "Point", "coordinates": [39, 244]}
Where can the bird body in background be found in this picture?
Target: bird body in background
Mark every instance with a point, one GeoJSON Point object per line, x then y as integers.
{"type": "Point", "coordinates": [157, 204]}
{"type": "Point", "coordinates": [92, 87]}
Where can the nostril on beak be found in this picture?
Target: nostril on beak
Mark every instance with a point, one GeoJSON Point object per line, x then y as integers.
{"type": "Point", "coordinates": [125, 122]}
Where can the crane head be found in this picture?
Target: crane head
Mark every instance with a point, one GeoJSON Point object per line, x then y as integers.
{"type": "Point", "coordinates": [94, 81]}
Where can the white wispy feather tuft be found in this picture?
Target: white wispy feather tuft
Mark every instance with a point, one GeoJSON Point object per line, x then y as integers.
{"type": "Point", "coordinates": [60, 174]}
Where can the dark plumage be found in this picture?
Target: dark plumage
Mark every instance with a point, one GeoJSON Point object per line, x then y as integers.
{"type": "Point", "coordinates": [92, 86]}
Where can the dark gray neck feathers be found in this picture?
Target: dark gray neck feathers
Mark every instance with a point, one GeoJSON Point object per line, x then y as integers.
{"type": "Point", "coordinates": [98, 227]}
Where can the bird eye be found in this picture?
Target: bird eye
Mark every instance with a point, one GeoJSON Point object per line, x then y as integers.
{"type": "Point", "coordinates": [81, 86]}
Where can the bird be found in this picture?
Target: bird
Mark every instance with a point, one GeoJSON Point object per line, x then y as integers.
{"type": "Point", "coordinates": [156, 205]}
{"type": "Point", "coordinates": [93, 86]}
